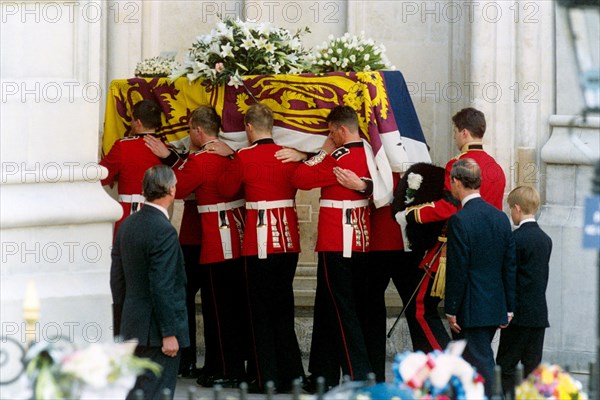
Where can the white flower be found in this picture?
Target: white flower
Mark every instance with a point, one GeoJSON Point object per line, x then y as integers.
{"type": "Point", "coordinates": [247, 43]}
{"type": "Point", "coordinates": [235, 80]}
{"type": "Point", "coordinates": [91, 365]}
{"type": "Point", "coordinates": [359, 54]}
{"type": "Point", "coordinates": [226, 50]}
{"type": "Point", "coordinates": [414, 181]}
{"type": "Point", "coordinates": [60, 372]}
{"type": "Point", "coordinates": [156, 66]}
{"type": "Point", "coordinates": [270, 47]}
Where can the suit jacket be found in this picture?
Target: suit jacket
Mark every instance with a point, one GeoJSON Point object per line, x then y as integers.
{"type": "Point", "coordinates": [147, 280]}
{"type": "Point", "coordinates": [480, 266]}
{"type": "Point", "coordinates": [533, 256]}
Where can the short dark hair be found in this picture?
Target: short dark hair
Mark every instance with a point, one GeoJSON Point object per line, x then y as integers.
{"type": "Point", "coordinates": [147, 111]}
{"type": "Point", "coordinates": [158, 181]}
{"type": "Point", "coordinates": [206, 118]}
{"type": "Point", "coordinates": [260, 116]}
{"type": "Point", "coordinates": [467, 171]}
{"type": "Point", "coordinates": [343, 115]}
{"type": "Point", "coordinates": [470, 119]}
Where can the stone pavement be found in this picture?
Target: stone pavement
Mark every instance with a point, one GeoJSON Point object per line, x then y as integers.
{"type": "Point", "coordinates": [182, 391]}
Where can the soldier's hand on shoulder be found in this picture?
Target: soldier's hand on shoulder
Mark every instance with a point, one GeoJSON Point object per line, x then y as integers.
{"type": "Point", "coordinates": [157, 147]}
{"type": "Point", "coordinates": [219, 148]}
{"type": "Point", "coordinates": [288, 154]}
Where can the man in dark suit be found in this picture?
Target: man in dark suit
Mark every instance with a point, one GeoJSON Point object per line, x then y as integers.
{"type": "Point", "coordinates": [523, 340]}
{"type": "Point", "coordinates": [480, 270]}
{"type": "Point", "coordinates": [147, 281]}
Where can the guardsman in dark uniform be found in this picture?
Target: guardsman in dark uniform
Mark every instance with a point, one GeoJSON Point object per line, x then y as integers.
{"type": "Point", "coordinates": [222, 220]}
{"type": "Point", "coordinates": [129, 158]}
{"type": "Point", "coordinates": [271, 246]}
{"type": "Point", "coordinates": [388, 260]}
{"type": "Point", "coordinates": [469, 128]}
{"type": "Point", "coordinates": [190, 238]}
{"type": "Point", "coordinates": [342, 242]}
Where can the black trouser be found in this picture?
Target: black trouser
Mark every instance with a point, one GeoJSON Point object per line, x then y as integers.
{"type": "Point", "coordinates": [337, 338]}
{"type": "Point", "coordinates": [519, 343]}
{"type": "Point", "coordinates": [151, 384]}
{"type": "Point", "coordinates": [402, 268]}
{"type": "Point", "coordinates": [479, 352]}
{"type": "Point", "coordinates": [225, 318]}
{"type": "Point", "coordinates": [271, 300]}
{"type": "Point", "coordinates": [195, 279]}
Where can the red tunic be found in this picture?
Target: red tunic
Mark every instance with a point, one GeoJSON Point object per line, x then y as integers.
{"type": "Point", "coordinates": [200, 175]}
{"type": "Point", "coordinates": [385, 231]}
{"type": "Point", "coordinates": [318, 172]}
{"type": "Point", "coordinates": [127, 161]}
{"type": "Point", "coordinates": [266, 179]}
{"type": "Point", "coordinates": [493, 183]}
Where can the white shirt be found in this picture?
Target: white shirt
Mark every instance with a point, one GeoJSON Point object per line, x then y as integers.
{"type": "Point", "coordinates": [526, 220]}
{"type": "Point", "coordinates": [469, 197]}
{"type": "Point", "coordinates": [161, 208]}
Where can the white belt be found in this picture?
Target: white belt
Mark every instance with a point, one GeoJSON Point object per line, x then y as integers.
{"type": "Point", "coordinates": [269, 205]}
{"type": "Point", "coordinates": [347, 224]}
{"type": "Point", "coordinates": [221, 206]}
{"type": "Point", "coordinates": [223, 222]}
{"type": "Point", "coordinates": [343, 203]}
{"type": "Point", "coordinates": [135, 201]}
{"type": "Point", "coordinates": [261, 222]}
{"type": "Point", "coordinates": [131, 198]}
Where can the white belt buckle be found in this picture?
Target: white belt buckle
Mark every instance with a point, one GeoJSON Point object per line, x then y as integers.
{"type": "Point", "coordinates": [262, 229]}
{"type": "Point", "coordinates": [224, 231]}
{"type": "Point", "coordinates": [347, 228]}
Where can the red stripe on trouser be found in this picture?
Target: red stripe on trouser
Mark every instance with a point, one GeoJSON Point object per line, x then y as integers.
{"type": "Point", "coordinates": [217, 319]}
{"type": "Point", "coordinates": [420, 312]}
{"type": "Point", "coordinates": [339, 318]}
{"type": "Point", "coordinates": [258, 377]}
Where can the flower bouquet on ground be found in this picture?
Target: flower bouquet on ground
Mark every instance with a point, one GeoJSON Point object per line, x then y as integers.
{"type": "Point", "coordinates": [434, 376]}
{"type": "Point", "coordinates": [235, 48]}
{"type": "Point", "coordinates": [156, 67]}
{"type": "Point", "coordinates": [349, 53]}
{"type": "Point", "coordinates": [550, 382]}
{"type": "Point", "coordinates": [100, 371]}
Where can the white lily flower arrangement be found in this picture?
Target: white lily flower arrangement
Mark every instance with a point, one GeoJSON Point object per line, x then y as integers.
{"type": "Point", "coordinates": [236, 48]}
{"type": "Point", "coordinates": [156, 67]}
{"type": "Point", "coordinates": [100, 371]}
{"type": "Point", "coordinates": [349, 53]}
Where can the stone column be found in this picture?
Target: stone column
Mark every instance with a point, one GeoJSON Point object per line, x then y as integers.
{"type": "Point", "coordinates": [492, 74]}
{"type": "Point", "coordinates": [569, 156]}
{"type": "Point", "coordinates": [56, 221]}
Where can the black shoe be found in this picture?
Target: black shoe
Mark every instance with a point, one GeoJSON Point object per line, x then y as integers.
{"type": "Point", "coordinates": [223, 381]}
{"type": "Point", "coordinates": [190, 372]}
{"type": "Point", "coordinates": [254, 388]}
{"type": "Point", "coordinates": [310, 385]}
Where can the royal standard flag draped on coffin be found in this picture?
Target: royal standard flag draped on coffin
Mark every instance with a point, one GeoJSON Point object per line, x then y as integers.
{"type": "Point", "coordinates": [301, 103]}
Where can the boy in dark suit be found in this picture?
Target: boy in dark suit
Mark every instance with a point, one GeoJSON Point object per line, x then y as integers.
{"type": "Point", "coordinates": [523, 339]}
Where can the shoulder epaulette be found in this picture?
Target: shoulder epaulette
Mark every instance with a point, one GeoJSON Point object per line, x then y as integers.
{"type": "Point", "coordinates": [417, 208]}
{"type": "Point", "coordinates": [316, 159]}
{"type": "Point", "coordinates": [126, 138]}
{"type": "Point", "coordinates": [247, 148]}
{"type": "Point", "coordinates": [339, 153]}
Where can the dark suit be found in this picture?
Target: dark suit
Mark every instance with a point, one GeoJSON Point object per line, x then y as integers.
{"type": "Point", "coordinates": [148, 281]}
{"type": "Point", "coordinates": [480, 279]}
{"type": "Point", "coordinates": [523, 339]}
